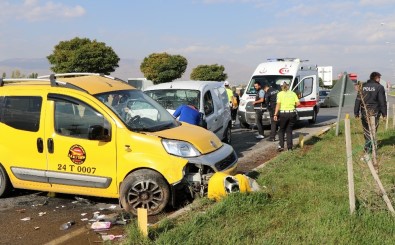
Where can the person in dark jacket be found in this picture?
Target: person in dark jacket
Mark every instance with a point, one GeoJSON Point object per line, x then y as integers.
{"type": "Point", "coordinates": [271, 101]}
{"type": "Point", "coordinates": [370, 101]}
{"type": "Point", "coordinates": [259, 108]}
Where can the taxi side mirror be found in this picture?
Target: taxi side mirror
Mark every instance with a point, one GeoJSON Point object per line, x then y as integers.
{"type": "Point", "coordinates": [98, 132]}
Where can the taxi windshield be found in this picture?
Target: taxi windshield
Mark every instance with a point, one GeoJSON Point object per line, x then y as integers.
{"type": "Point", "coordinates": [137, 110]}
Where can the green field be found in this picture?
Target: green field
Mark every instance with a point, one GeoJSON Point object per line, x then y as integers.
{"type": "Point", "coordinates": [304, 200]}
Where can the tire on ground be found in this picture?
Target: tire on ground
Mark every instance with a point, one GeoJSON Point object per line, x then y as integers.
{"type": "Point", "coordinates": [5, 184]}
{"type": "Point", "coordinates": [144, 188]}
{"type": "Point", "coordinates": [228, 135]}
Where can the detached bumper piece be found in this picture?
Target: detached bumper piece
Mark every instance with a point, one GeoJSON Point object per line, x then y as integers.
{"type": "Point", "coordinates": [221, 184]}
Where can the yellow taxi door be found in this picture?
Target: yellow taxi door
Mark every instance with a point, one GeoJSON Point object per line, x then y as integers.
{"type": "Point", "coordinates": [22, 149]}
{"type": "Point", "coordinates": [80, 139]}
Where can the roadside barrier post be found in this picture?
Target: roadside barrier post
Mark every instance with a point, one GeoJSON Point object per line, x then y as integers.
{"type": "Point", "coordinates": [344, 77]}
{"type": "Point", "coordinates": [301, 140]}
{"type": "Point", "coordinates": [386, 122]}
{"type": "Point", "coordinates": [393, 116]}
{"type": "Point", "coordinates": [350, 171]}
{"type": "Point", "coordinates": [142, 220]}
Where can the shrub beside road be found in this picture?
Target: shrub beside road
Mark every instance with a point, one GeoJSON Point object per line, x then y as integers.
{"type": "Point", "coordinates": [304, 200]}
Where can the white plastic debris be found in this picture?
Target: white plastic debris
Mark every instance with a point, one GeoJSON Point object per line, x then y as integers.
{"type": "Point", "coordinates": [110, 237]}
{"type": "Point", "coordinates": [26, 219]}
{"type": "Point", "coordinates": [99, 225]}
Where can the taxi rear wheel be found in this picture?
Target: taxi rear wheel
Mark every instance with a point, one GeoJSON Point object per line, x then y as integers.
{"type": "Point", "coordinates": [5, 184]}
{"type": "Point", "coordinates": [144, 189]}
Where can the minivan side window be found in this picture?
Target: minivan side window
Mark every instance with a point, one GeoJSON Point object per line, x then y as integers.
{"type": "Point", "coordinates": [208, 103]}
{"type": "Point", "coordinates": [75, 120]}
{"type": "Point", "coordinates": [223, 95]}
{"type": "Point", "coordinates": [21, 112]}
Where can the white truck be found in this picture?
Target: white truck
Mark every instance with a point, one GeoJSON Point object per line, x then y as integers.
{"type": "Point", "coordinates": [303, 79]}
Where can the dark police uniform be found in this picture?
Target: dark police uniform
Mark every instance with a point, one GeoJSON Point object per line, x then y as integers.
{"type": "Point", "coordinates": [259, 108]}
{"type": "Point", "coordinates": [271, 101]}
{"type": "Point", "coordinates": [373, 94]}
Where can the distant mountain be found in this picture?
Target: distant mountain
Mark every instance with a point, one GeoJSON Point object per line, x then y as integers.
{"type": "Point", "coordinates": [25, 66]}
{"type": "Point", "coordinates": [128, 68]}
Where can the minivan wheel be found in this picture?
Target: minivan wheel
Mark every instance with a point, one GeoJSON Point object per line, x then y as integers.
{"type": "Point", "coordinates": [5, 184]}
{"type": "Point", "coordinates": [314, 119]}
{"type": "Point", "coordinates": [144, 189]}
{"type": "Point", "coordinates": [228, 135]}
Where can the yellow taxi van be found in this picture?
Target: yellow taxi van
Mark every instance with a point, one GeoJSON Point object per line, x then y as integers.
{"type": "Point", "coordinates": [92, 134]}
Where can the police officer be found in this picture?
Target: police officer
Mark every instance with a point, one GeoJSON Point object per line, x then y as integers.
{"type": "Point", "coordinates": [271, 101]}
{"type": "Point", "coordinates": [370, 101]}
{"type": "Point", "coordinates": [285, 112]}
{"type": "Point", "coordinates": [258, 107]}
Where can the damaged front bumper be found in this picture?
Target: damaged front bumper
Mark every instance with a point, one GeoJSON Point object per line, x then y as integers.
{"type": "Point", "coordinates": [199, 170]}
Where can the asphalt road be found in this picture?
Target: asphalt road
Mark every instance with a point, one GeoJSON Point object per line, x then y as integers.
{"type": "Point", "coordinates": [48, 213]}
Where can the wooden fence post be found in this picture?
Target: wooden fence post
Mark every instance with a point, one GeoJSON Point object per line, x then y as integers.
{"type": "Point", "coordinates": [350, 171]}
{"type": "Point", "coordinates": [379, 184]}
{"type": "Point", "coordinates": [393, 116]}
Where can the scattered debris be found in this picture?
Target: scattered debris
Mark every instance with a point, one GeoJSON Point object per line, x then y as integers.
{"type": "Point", "coordinates": [36, 228]}
{"type": "Point", "coordinates": [107, 217]}
{"type": "Point", "coordinates": [67, 225]}
{"type": "Point", "coordinates": [26, 219]}
{"type": "Point", "coordinates": [100, 225]}
{"type": "Point", "coordinates": [110, 237]}
{"type": "Point", "coordinates": [84, 219]}
{"type": "Point", "coordinates": [21, 210]}
{"type": "Point", "coordinates": [83, 200]}
{"type": "Point", "coordinates": [42, 213]}
{"type": "Point", "coordinates": [83, 214]}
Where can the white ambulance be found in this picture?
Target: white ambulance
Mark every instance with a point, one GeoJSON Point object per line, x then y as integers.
{"type": "Point", "coordinates": [303, 79]}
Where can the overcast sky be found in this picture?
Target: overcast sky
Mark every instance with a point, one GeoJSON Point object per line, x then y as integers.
{"type": "Point", "coordinates": [350, 35]}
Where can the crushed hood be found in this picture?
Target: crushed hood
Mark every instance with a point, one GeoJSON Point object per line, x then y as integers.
{"type": "Point", "coordinates": [205, 141]}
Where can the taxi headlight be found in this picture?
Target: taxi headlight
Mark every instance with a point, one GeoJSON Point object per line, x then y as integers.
{"type": "Point", "coordinates": [180, 148]}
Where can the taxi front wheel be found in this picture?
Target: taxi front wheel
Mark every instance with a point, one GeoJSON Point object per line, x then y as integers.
{"type": "Point", "coordinates": [5, 185]}
{"type": "Point", "coordinates": [144, 189]}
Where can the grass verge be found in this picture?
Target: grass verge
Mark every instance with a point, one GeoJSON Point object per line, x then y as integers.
{"type": "Point", "coordinates": [304, 201]}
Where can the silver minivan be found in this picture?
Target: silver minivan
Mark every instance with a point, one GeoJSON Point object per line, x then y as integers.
{"type": "Point", "coordinates": [208, 96]}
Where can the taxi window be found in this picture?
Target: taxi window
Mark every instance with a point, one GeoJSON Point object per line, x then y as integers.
{"type": "Point", "coordinates": [75, 119]}
{"type": "Point", "coordinates": [21, 112]}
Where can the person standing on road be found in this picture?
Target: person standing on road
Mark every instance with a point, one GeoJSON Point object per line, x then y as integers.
{"type": "Point", "coordinates": [229, 92]}
{"type": "Point", "coordinates": [258, 107]}
{"type": "Point", "coordinates": [235, 105]}
{"type": "Point", "coordinates": [370, 101]}
{"type": "Point", "coordinates": [285, 112]}
{"type": "Point", "coordinates": [271, 101]}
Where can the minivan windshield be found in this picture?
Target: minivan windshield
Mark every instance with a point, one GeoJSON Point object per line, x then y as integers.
{"type": "Point", "coordinates": [137, 110]}
{"type": "Point", "coordinates": [273, 81]}
{"type": "Point", "coordinates": [173, 98]}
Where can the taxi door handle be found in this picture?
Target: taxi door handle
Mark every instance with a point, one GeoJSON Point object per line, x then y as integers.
{"type": "Point", "coordinates": [50, 145]}
{"type": "Point", "coordinates": [40, 145]}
